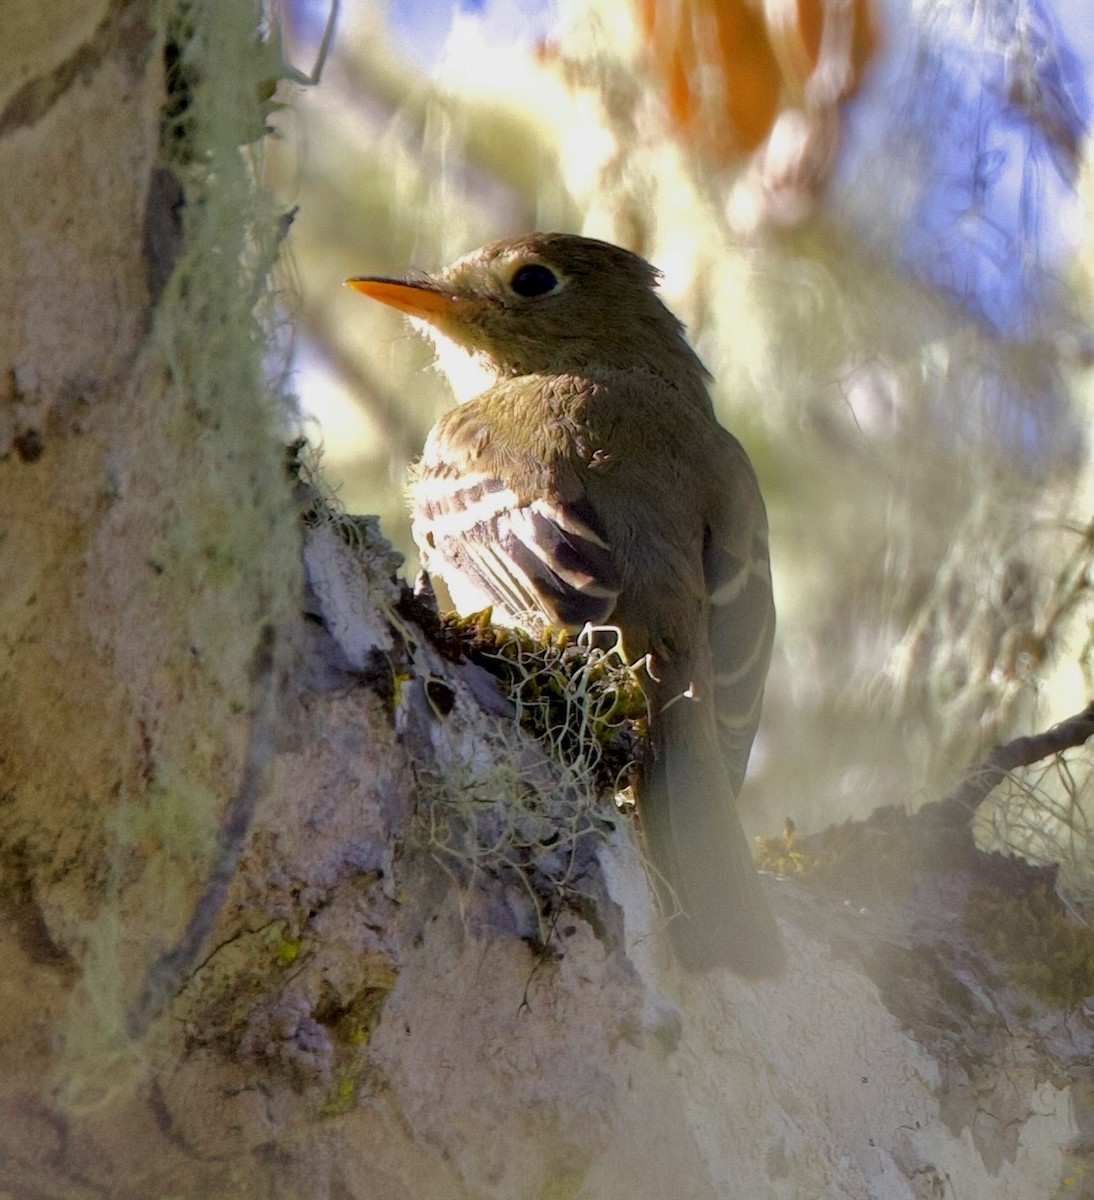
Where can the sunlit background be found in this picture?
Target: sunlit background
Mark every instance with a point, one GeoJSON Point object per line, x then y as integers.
{"type": "Point", "coordinates": [874, 219]}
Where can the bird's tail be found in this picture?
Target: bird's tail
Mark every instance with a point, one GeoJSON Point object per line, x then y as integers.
{"type": "Point", "coordinates": [701, 859]}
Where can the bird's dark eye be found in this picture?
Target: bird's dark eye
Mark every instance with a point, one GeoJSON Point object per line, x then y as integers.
{"type": "Point", "coordinates": [533, 280]}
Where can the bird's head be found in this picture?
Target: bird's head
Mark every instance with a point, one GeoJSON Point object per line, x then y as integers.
{"type": "Point", "coordinates": [544, 303]}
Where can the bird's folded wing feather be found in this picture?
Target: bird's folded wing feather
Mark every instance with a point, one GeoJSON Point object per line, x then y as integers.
{"type": "Point", "coordinates": [542, 556]}
{"type": "Point", "coordinates": [741, 629]}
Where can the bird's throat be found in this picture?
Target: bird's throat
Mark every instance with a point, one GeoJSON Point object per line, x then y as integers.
{"type": "Point", "coordinates": [469, 373]}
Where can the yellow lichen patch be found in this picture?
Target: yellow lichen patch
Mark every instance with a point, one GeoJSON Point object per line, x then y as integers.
{"type": "Point", "coordinates": [287, 951]}
{"type": "Point", "coordinates": [564, 1187]}
{"type": "Point", "coordinates": [1075, 1178]}
{"type": "Point", "coordinates": [341, 1098]}
{"type": "Point", "coordinates": [784, 854]}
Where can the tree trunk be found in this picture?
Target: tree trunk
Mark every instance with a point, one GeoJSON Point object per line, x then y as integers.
{"type": "Point", "coordinates": [292, 905]}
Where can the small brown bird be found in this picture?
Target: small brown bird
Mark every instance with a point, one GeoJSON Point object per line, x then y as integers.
{"type": "Point", "coordinates": [591, 482]}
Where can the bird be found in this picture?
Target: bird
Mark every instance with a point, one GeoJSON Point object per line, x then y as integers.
{"type": "Point", "coordinates": [583, 478]}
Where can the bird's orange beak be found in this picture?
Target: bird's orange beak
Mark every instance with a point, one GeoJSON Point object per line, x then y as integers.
{"type": "Point", "coordinates": [417, 299]}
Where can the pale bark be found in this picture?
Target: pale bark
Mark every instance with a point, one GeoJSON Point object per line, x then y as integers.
{"type": "Point", "coordinates": [232, 963]}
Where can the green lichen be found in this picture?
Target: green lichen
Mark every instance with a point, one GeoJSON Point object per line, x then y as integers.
{"type": "Point", "coordinates": [1044, 950]}
{"type": "Point", "coordinates": [350, 1019]}
{"type": "Point", "coordinates": [350, 1022]}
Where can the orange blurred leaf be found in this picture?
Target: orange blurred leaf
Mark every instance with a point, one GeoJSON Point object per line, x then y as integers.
{"type": "Point", "coordinates": [726, 68]}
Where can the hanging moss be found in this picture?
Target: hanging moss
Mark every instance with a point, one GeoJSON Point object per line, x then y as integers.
{"type": "Point", "coordinates": [579, 694]}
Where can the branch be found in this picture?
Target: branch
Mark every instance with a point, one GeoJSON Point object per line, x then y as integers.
{"type": "Point", "coordinates": [956, 808]}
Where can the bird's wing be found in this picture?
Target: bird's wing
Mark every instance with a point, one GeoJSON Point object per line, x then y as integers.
{"type": "Point", "coordinates": [539, 555]}
{"type": "Point", "coordinates": [740, 621]}
{"type": "Point", "coordinates": [702, 740]}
